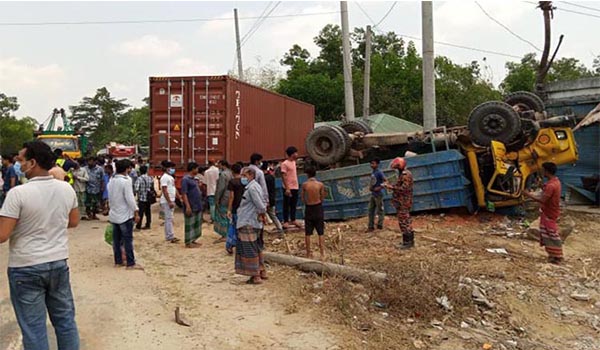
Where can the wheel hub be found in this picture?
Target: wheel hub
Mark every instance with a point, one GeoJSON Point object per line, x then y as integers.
{"type": "Point", "coordinates": [493, 124]}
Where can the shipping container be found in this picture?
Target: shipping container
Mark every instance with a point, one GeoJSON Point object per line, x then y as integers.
{"type": "Point", "coordinates": [217, 117]}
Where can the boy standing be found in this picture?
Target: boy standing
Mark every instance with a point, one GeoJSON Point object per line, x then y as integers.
{"type": "Point", "coordinates": [313, 195]}
{"type": "Point", "coordinates": [270, 181]}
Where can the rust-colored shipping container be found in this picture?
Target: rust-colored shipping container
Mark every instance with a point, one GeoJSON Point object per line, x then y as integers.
{"type": "Point", "coordinates": [217, 117]}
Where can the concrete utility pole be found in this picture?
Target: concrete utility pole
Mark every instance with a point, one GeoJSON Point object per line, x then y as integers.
{"type": "Point", "coordinates": [545, 63]}
{"type": "Point", "coordinates": [349, 95]}
{"type": "Point", "coordinates": [367, 87]}
{"type": "Point", "coordinates": [239, 45]}
{"type": "Point", "coordinates": [429, 118]}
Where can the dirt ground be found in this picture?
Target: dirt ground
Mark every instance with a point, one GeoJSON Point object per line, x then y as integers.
{"type": "Point", "coordinates": [524, 303]}
{"type": "Point", "coordinates": [120, 309]}
{"type": "Point", "coordinates": [527, 303]}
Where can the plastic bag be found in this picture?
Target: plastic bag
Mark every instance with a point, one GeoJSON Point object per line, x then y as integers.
{"type": "Point", "coordinates": [108, 234]}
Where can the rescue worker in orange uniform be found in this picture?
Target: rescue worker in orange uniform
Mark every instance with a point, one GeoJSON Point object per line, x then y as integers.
{"type": "Point", "coordinates": [402, 199]}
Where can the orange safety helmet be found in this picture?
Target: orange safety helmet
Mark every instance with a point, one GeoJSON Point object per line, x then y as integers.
{"type": "Point", "coordinates": [398, 163]}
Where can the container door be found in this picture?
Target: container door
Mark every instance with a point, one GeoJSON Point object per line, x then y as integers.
{"type": "Point", "coordinates": [207, 129]}
{"type": "Point", "coordinates": [169, 106]}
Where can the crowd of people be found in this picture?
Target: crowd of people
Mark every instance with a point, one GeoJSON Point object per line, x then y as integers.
{"type": "Point", "coordinates": [239, 199]}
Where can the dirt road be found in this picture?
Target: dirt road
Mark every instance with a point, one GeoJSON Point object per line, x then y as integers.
{"type": "Point", "coordinates": [117, 308]}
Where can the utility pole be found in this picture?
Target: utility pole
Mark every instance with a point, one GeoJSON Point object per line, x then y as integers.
{"type": "Point", "coordinates": [348, 94]}
{"type": "Point", "coordinates": [540, 78]}
{"type": "Point", "coordinates": [239, 45]}
{"type": "Point", "coordinates": [367, 84]}
{"type": "Point", "coordinates": [429, 118]}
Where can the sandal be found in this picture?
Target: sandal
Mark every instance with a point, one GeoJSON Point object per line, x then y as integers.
{"type": "Point", "coordinates": [135, 267]}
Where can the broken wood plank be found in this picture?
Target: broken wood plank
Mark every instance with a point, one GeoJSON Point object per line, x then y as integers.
{"type": "Point", "coordinates": [309, 265]}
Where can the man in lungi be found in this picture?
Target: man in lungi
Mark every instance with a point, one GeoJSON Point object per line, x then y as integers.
{"type": "Point", "coordinates": [250, 223]}
{"type": "Point", "coordinates": [550, 211]}
{"type": "Point", "coordinates": [192, 201]}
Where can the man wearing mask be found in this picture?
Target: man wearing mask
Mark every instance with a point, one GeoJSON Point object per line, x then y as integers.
{"type": "Point", "coordinates": [93, 191]}
{"type": "Point", "coordinates": [38, 273]}
{"type": "Point", "coordinates": [402, 198]}
{"type": "Point", "coordinates": [123, 213]}
{"type": "Point", "coordinates": [9, 176]}
{"type": "Point", "coordinates": [167, 200]}
{"type": "Point", "coordinates": [192, 201]}
{"type": "Point", "coordinates": [256, 164]}
{"type": "Point", "coordinates": [211, 176]}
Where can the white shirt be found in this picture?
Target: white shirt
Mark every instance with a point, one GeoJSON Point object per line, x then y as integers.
{"type": "Point", "coordinates": [120, 199]}
{"type": "Point", "coordinates": [211, 175]}
{"type": "Point", "coordinates": [169, 181]}
{"type": "Point", "coordinates": [42, 208]}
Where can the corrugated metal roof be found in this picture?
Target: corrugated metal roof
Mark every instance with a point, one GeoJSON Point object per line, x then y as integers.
{"type": "Point", "coordinates": [383, 123]}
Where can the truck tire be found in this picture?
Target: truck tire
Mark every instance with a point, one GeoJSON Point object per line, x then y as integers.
{"type": "Point", "coordinates": [348, 141]}
{"type": "Point", "coordinates": [326, 145]}
{"type": "Point", "coordinates": [526, 101]}
{"type": "Point", "coordinates": [494, 120]}
{"type": "Point", "coordinates": [353, 126]}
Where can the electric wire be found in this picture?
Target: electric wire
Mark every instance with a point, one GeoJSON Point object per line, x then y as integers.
{"type": "Point", "coordinates": [506, 27]}
{"type": "Point", "coordinates": [17, 24]}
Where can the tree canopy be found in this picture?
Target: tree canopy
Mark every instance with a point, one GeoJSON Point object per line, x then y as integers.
{"type": "Point", "coordinates": [396, 78]}
{"type": "Point", "coordinates": [13, 131]}
{"type": "Point", "coordinates": [521, 75]}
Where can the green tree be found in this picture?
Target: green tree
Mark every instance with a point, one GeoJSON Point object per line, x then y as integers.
{"type": "Point", "coordinates": [8, 105]}
{"type": "Point", "coordinates": [133, 128]}
{"type": "Point", "coordinates": [13, 131]}
{"type": "Point", "coordinates": [396, 79]}
{"type": "Point", "coordinates": [98, 116]}
{"type": "Point", "coordinates": [521, 76]}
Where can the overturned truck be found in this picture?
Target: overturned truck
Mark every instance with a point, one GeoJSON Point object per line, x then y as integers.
{"type": "Point", "coordinates": [504, 145]}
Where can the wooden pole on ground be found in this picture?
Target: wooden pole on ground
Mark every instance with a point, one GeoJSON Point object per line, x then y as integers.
{"type": "Point", "coordinates": [309, 265]}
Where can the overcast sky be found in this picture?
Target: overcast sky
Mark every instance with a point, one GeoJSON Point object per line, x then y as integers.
{"type": "Point", "coordinates": [49, 66]}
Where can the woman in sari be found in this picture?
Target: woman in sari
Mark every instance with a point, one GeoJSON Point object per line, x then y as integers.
{"type": "Point", "coordinates": [250, 222]}
{"type": "Point", "coordinates": [221, 221]}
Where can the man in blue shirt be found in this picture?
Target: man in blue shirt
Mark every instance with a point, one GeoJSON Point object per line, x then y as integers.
{"type": "Point", "coordinates": [376, 202]}
{"type": "Point", "coordinates": [192, 200]}
{"type": "Point", "coordinates": [9, 175]}
{"type": "Point", "coordinates": [94, 188]}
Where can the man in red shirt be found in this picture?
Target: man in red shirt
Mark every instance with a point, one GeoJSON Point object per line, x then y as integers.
{"type": "Point", "coordinates": [291, 187]}
{"type": "Point", "coordinates": [550, 211]}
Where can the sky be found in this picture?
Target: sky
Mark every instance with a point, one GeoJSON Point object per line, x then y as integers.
{"type": "Point", "coordinates": [48, 66]}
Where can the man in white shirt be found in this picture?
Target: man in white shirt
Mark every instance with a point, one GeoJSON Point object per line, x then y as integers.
{"type": "Point", "coordinates": [167, 200]}
{"type": "Point", "coordinates": [256, 164]}
{"type": "Point", "coordinates": [123, 212]}
{"type": "Point", "coordinates": [211, 176]}
{"type": "Point", "coordinates": [38, 273]}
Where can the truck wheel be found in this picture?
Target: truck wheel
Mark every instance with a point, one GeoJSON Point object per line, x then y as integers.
{"type": "Point", "coordinates": [326, 145]}
{"type": "Point", "coordinates": [353, 126]}
{"type": "Point", "coordinates": [525, 101]}
{"type": "Point", "coordinates": [348, 141]}
{"type": "Point", "coordinates": [494, 120]}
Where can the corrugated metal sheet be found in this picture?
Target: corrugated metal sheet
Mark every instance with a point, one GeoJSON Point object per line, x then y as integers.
{"type": "Point", "coordinates": [439, 182]}
{"type": "Point", "coordinates": [217, 117]}
{"type": "Point", "coordinates": [578, 97]}
{"type": "Point", "coordinates": [383, 123]}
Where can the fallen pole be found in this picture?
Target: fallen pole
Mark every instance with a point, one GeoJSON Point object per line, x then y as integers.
{"type": "Point", "coordinates": [308, 265]}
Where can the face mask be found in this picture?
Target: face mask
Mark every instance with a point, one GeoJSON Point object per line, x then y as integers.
{"type": "Point", "coordinates": [244, 181]}
{"type": "Point", "coordinates": [26, 172]}
{"type": "Point", "coordinates": [171, 171]}
{"type": "Point", "coordinates": [260, 165]}
{"type": "Point", "coordinates": [17, 168]}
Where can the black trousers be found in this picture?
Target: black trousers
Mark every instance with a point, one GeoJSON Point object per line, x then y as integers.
{"type": "Point", "coordinates": [144, 208]}
{"type": "Point", "coordinates": [289, 206]}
